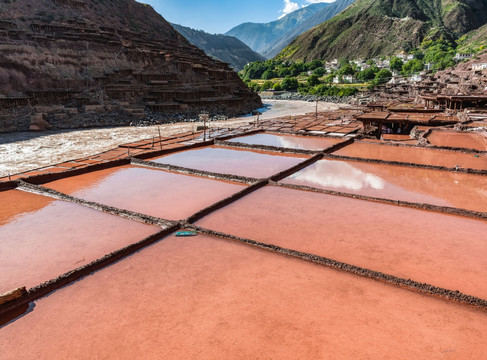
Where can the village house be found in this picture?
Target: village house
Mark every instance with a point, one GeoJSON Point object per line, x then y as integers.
{"type": "Point", "coordinates": [405, 56]}
{"type": "Point", "coordinates": [462, 56]}
{"type": "Point", "coordinates": [395, 79]}
{"type": "Point", "coordinates": [479, 67]}
{"type": "Point", "coordinates": [347, 79]}
{"type": "Point", "coordinates": [415, 78]}
{"type": "Point", "coordinates": [385, 64]}
{"type": "Point", "coordinates": [359, 62]}
{"type": "Point", "coordinates": [331, 65]}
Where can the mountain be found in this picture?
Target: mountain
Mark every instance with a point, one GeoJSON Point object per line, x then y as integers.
{"type": "Point", "coordinates": [474, 40]}
{"type": "Point", "coordinates": [260, 36]}
{"type": "Point", "coordinates": [370, 28]}
{"type": "Point", "coordinates": [224, 48]}
{"type": "Point", "coordinates": [321, 16]}
{"type": "Point", "coordinates": [105, 57]}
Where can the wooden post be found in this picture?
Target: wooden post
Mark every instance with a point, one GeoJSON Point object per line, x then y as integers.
{"type": "Point", "coordinates": [204, 127]}
{"type": "Point", "coordinates": [160, 137]}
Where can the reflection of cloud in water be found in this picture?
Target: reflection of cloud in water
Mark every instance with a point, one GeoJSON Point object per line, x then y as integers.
{"type": "Point", "coordinates": [289, 142]}
{"type": "Point", "coordinates": [339, 175]}
{"type": "Point", "coordinates": [300, 143]}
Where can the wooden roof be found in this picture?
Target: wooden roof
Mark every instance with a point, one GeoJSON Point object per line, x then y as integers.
{"type": "Point", "coordinates": [414, 118]}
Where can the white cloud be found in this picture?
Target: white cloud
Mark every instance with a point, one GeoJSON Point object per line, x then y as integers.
{"type": "Point", "coordinates": [319, 1]}
{"type": "Point", "coordinates": [289, 7]}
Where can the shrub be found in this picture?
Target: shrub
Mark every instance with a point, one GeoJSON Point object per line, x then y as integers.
{"type": "Point", "coordinates": [267, 85]}
{"type": "Point", "coordinates": [289, 83]}
{"type": "Point", "coordinates": [277, 86]}
{"type": "Point", "coordinates": [313, 80]}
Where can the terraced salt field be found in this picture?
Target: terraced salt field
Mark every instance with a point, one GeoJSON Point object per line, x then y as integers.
{"type": "Point", "coordinates": [415, 155]}
{"type": "Point", "coordinates": [187, 249]}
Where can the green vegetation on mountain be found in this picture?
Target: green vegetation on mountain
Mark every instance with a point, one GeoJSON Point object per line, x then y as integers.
{"type": "Point", "coordinates": [371, 28]}
{"type": "Point", "coordinates": [306, 78]}
{"type": "Point", "coordinates": [315, 77]}
{"type": "Point", "coordinates": [474, 41]}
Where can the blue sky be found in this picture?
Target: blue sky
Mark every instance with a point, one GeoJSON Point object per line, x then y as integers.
{"type": "Point", "coordinates": [219, 16]}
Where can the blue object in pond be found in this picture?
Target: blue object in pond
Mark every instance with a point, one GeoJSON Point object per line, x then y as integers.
{"type": "Point", "coordinates": [186, 233]}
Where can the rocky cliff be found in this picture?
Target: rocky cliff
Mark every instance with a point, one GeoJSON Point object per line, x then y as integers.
{"type": "Point", "coordinates": [106, 56]}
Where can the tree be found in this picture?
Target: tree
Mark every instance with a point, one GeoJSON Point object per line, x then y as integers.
{"type": "Point", "coordinates": [396, 63]}
{"type": "Point", "coordinates": [315, 64]}
{"type": "Point", "coordinates": [297, 68]}
{"type": "Point", "coordinates": [277, 86]}
{"type": "Point", "coordinates": [343, 62]}
{"type": "Point", "coordinates": [440, 52]}
{"type": "Point", "coordinates": [283, 72]}
{"type": "Point", "coordinates": [346, 70]}
{"type": "Point", "coordinates": [255, 87]}
{"type": "Point", "coordinates": [329, 78]}
{"type": "Point", "coordinates": [382, 77]}
{"type": "Point", "coordinates": [319, 71]}
{"type": "Point", "coordinates": [418, 54]}
{"type": "Point", "coordinates": [289, 83]}
{"type": "Point", "coordinates": [412, 66]}
{"type": "Point", "coordinates": [313, 80]}
{"type": "Point", "coordinates": [254, 70]}
{"type": "Point", "coordinates": [367, 74]}
{"type": "Point", "coordinates": [269, 74]}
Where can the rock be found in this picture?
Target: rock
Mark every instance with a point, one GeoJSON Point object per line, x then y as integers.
{"type": "Point", "coordinates": [12, 295]}
{"type": "Point", "coordinates": [38, 123]}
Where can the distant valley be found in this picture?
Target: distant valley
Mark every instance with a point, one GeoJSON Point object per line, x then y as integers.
{"type": "Point", "coordinates": [221, 47]}
{"type": "Point", "coordinates": [270, 38]}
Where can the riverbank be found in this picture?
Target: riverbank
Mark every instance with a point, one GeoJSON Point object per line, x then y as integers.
{"type": "Point", "coordinates": [295, 96]}
{"type": "Point", "coordinates": [24, 151]}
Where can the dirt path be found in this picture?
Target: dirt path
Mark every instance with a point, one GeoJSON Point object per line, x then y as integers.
{"type": "Point", "coordinates": [26, 150]}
